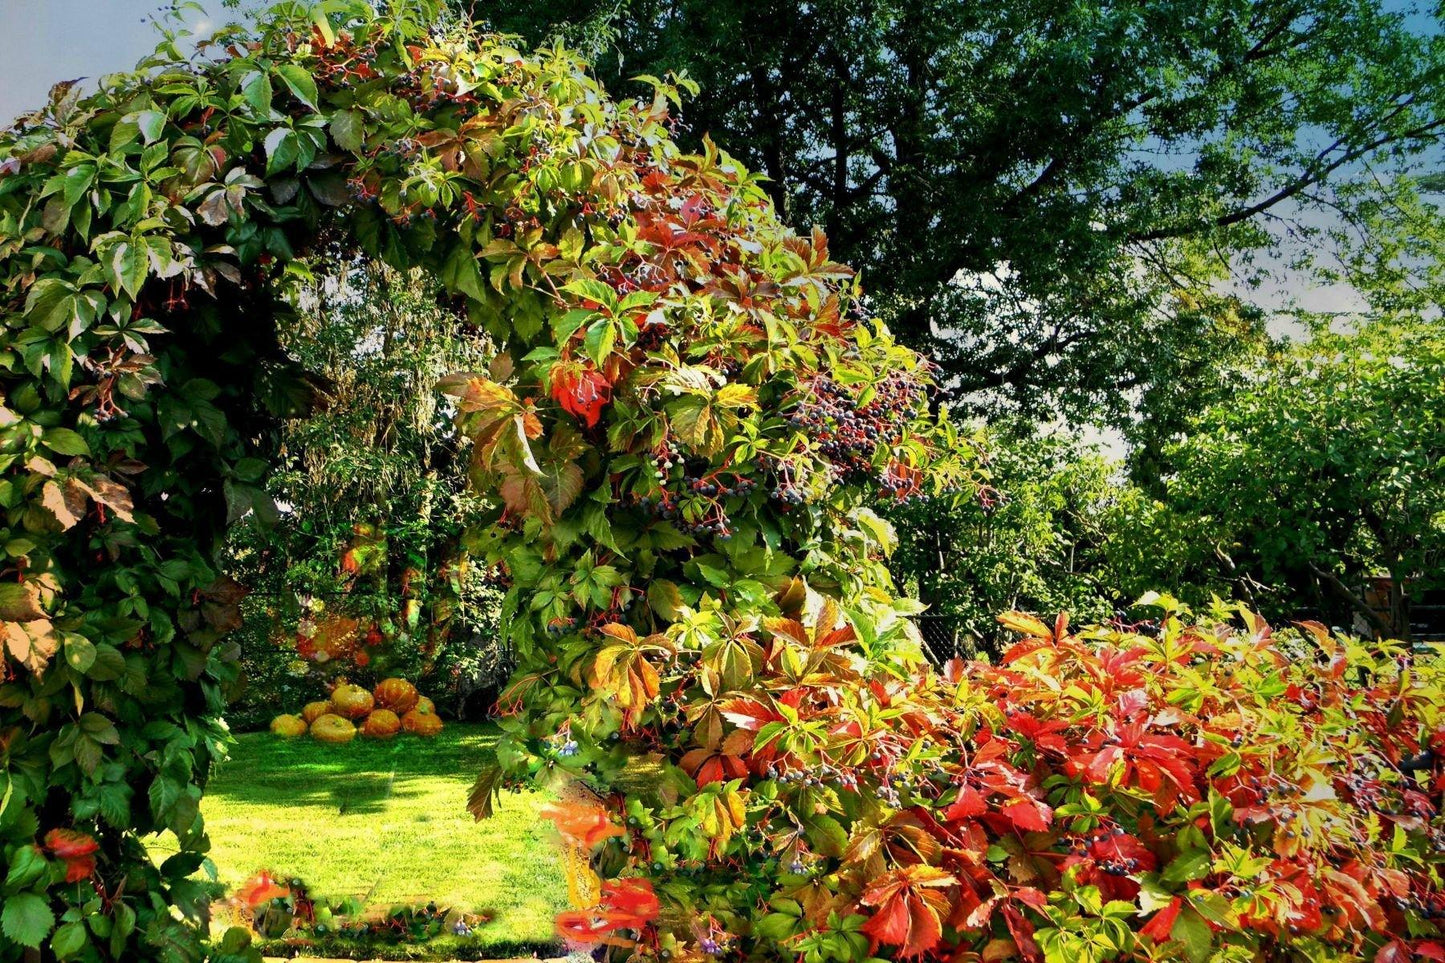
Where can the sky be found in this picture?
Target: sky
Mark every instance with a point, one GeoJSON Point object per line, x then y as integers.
{"type": "Point", "coordinates": [45, 41]}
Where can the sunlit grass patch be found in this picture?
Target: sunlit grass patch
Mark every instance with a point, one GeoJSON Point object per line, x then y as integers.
{"type": "Point", "coordinates": [386, 822]}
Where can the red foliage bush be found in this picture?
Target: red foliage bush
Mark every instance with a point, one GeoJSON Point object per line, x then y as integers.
{"type": "Point", "coordinates": [1207, 792]}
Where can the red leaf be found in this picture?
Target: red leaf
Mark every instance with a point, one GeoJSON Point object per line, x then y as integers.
{"type": "Point", "coordinates": [1023, 933]}
{"type": "Point", "coordinates": [70, 843]}
{"type": "Point", "coordinates": [1158, 928]}
{"type": "Point", "coordinates": [581, 391]}
{"type": "Point", "coordinates": [78, 868]}
{"type": "Point", "coordinates": [970, 805]}
{"type": "Point", "coordinates": [260, 890]}
{"type": "Point", "coordinates": [581, 824]}
{"type": "Point", "coordinates": [1028, 814]}
{"type": "Point", "coordinates": [890, 923]}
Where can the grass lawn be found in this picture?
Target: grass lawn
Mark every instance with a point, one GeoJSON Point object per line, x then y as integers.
{"type": "Point", "coordinates": [386, 822]}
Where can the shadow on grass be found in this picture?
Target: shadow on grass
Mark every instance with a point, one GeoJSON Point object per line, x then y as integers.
{"type": "Point", "coordinates": [360, 777]}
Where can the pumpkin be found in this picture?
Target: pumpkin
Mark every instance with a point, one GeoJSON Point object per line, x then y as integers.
{"type": "Point", "coordinates": [398, 695]}
{"type": "Point", "coordinates": [425, 706]}
{"type": "Point", "coordinates": [315, 710]}
{"type": "Point", "coordinates": [333, 729]}
{"type": "Point", "coordinates": [422, 723]}
{"type": "Point", "coordinates": [381, 724]}
{"type": "Point", "coordinates": [288, 727]}
{"type": "Point", "coordinates": [351, 701]}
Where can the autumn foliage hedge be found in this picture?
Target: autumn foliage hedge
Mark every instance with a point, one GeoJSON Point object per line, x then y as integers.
{"type": "Point", "coordinates": [1212, 791]}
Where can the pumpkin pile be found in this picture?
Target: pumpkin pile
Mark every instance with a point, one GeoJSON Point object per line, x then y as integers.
{"type": "Point", "coordinates": [393, 706]}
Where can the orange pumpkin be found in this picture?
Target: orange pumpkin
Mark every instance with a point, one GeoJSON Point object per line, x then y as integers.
{"type": "Point", "coordinates": [315, 710]}
{"type": "Point", "coordinates": [333, 729]}
{"type": "Point", "coordinates": [381, 724]}
{"type": "Point", "coordinates": [398, 695]}
{"type": "Point", "coordinates": [288, 727]}
{"type": "Point", "coordinates": [351, 701]}
{"type": "Point", "coordinates": [425, 706]}
{"type": "Point", "coordinates": [422, 723]}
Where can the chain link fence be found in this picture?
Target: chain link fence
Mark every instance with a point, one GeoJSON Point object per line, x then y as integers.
{"type": "Point", "coordinates": [947, 637]}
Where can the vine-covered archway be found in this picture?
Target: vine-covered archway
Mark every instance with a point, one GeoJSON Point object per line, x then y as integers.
{"type": "Point", "coordinates": [686, 419]}
{"type": "Point", "coordinates": [688, 426]}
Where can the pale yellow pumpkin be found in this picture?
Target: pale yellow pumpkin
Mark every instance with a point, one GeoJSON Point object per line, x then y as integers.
{"type": "Point", "coordinates": [351, 701]}
{"type": "Point", "coordinates": [333, 729]}
{"type": "Point", "coordinates": [425, 706]}
{"type": "Point", "coordinates": [288, 726]}
{"type": "Point", "coordinates": [315, 710]}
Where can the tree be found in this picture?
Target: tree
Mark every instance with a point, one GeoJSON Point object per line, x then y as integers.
{"type": "Point", "coordinates": [1324, 469]}
{"type": "Point", "coordinates": [1034, 540]}
{"type": "Point", "coordinates": [1030, 187]}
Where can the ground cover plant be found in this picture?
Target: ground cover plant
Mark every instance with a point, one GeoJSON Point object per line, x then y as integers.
{"type": "Point", "coordinates": [688, 427]}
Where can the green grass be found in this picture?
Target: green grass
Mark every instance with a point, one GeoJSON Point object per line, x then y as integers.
{"type": "Point", "coordinates": [386, 822]}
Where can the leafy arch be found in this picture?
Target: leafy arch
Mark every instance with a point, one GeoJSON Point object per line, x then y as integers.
{"type": "Point", "coordinates": [687, 417]}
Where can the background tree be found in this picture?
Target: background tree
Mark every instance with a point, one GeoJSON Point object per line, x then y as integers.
{"type": "Point", "coordinates": [1031, 186]}
{"type": "Point", "coordinates": [1034, 541]}
{"type": "Point", "coordinates": [1324, 468]}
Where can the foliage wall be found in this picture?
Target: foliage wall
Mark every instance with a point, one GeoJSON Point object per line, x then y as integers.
{"type": "Point", "coordinates": [687, 412]}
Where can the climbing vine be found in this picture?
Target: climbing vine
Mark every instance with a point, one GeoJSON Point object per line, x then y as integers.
{"type": "Point", "coordinates": [686, 431]}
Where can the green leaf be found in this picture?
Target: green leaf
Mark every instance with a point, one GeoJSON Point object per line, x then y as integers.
{"type": "Point", "coordinates": [282, 150]}
{"type": "Point", "coordinates": [27, 865]}
{"type": "Point", "coordinates": [298, 80]}
{"type": "Point", "coordinates": [256, 88]}
{"type": "Point", "coordinates": [26, 920]}
{"type": "Point", "coordinates": [348, 128]}
{"type": "Point", "coordinates": [79, 653]}
{"type": "Point", "coordinates": [1191, 930]}
{"type": "Point", "coordinates": [1187, 866]}
{"type": "Point", "coordinates": [664, 598]}
{"type": "Point", "coordinates": [63, 441]}
{"type": "Point", "coordinates": [50, 304]}
{"type": "Point", "coordinates": [69, 940]}
{"type": "Point", "coordinates": [129, 263]}
{"type": "Point", "coordinates": [461, 273]}
{"type": "Point", "coordinates": [601, 337]}
{"type": "Point", "coordinates": [150, 123]}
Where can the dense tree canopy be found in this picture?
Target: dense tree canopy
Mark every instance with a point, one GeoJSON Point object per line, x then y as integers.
{"type": "Point", "coordinates": [1323, 469]}
{"type": "Point", "coordinates": [1028, 186]}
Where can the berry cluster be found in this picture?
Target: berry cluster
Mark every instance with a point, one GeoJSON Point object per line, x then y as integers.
{"type": "Point", "coordinates": [692, 498]}
{"type": "Point", "coordinates": [1430, 906]}
{"type": "Point", "coordinates": [848, 433]}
